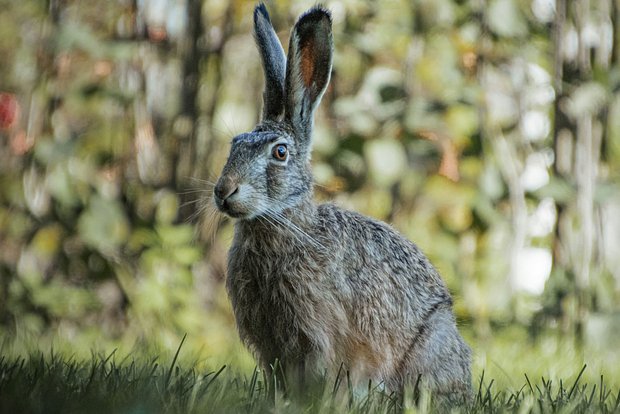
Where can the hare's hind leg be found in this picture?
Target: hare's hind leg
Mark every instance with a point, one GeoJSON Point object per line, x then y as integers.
{"type": "Point", "coordinates": [439, 359]}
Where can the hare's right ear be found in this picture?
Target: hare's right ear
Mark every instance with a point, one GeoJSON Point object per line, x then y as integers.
{"type": "Point", "coordinates": [274, 63]}
{"type": "Point", "coordinates": [308, 70]}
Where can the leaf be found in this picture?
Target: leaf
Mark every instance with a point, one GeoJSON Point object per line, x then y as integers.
{"type": "Point", "coordinates": [65, 301]}
{"type": "Point", "coordinates": [505, 19]}
{"type": "Point", "coordinates": [167, 206]}
{"type": "Point", "coordinates": [61, 186]}
{"type": "Point", "coordinates": [386, 160]}
{"type": "Point", "coordinates": [457, 218]}
{"type": "Point", "coordinates": [175, 235]}
{"type": "Point", "coordinates": [186, 255]}
{"type": "Point", "coordinates": [588, 98]}
{"type": "Point", "coordinates": [462, 123]}
{"type": "Point", "coordinates": [445, 193]}
{"type": "Point", "coordinates": [558, 189]}
{"type": "Point", "coordinates": [104, 225]}
{"type": "Point", "coordinates": [46, 242]}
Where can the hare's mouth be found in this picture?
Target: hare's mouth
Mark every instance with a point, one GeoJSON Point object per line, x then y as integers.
{"type": "Point", "coordinates": [234, 209]}
{"type": "Point", "coordinates": [237, 205]}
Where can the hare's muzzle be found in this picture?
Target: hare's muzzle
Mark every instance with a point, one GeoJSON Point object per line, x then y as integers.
{"type": "Point", "coordinates": [224, 192]}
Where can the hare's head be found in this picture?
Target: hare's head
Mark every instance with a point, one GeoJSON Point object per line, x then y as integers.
{"type": "Point", "coordinates": [268, 168]}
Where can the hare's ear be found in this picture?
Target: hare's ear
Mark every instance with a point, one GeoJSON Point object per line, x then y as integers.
{"type": "Point", "coordinates": [308, 69]}
{"type": "Point", "coordinates": [274, 63]}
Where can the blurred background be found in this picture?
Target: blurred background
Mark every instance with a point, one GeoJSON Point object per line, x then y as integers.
{"type": "Point", "coordinates": [487, 131]}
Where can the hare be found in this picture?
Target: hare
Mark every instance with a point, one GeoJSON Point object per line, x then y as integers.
{"type": "Point", "coordinates": [316, 287]}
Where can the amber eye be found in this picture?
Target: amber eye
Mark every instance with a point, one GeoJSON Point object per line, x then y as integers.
{"type": "Point", "coordinates": [280, 152]}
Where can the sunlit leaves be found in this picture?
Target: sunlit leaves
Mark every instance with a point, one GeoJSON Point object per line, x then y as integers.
{"type": "Point", "coordinates": [387, 161]}
{"type": "Point", "coordinates": [96, 190]}
{"type": "Point", "coordinates": [104, 225]}
{"type": "Point", "coordinates": [506, 18]}
{"type": "Point", "coordinates": [588, 98]}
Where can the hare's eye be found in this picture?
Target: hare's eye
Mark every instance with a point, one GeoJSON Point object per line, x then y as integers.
{"type": "Point", "coordinates": [280, 152]}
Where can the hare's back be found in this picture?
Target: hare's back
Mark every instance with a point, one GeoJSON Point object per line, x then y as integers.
{"type": "Point", "coordinates": [375, 258]}
{"type": "Point", "coordinates": [389, 289]}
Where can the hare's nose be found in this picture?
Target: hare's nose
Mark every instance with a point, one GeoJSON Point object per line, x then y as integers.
{"type": "Point", "coordinates": [225, 189]}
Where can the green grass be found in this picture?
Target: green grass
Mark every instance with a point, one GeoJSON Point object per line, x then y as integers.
{"type": "Point", "coordinates": [50, 383]}
{"type": "Point", "coordinates": [512, 373]}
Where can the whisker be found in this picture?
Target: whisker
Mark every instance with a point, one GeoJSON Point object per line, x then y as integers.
{"type": "Point", "coordinates": [202, 181]}
{"type": "Point", "coordinates": [273, 220]}
{"type": "Point", "coordinates": [280, 218]}
{"type": "Point", "coordinates": [211, 222]}
{"type": "Point", "coordinates": [194, 191]}
{"type": "Point", "coordinates": [201, 209]}
{"type": "Point", "coordinates": [229, 130]}
{"type": "Point", "coordinates": [189, 202]}
{"type": "Point", "coordinates": [302, 232]}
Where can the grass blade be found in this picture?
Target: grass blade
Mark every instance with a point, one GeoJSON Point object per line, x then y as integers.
{"type": "Point", "coordinates": [174, 361]}
{"type": "Point", "coordinates": [570, 393]}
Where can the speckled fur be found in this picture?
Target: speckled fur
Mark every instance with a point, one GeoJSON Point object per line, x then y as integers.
{"type": "Point", "coordinates": [316, 286]}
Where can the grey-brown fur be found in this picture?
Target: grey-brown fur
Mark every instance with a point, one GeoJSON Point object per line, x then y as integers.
{"type": "Point", "coordinates": [315, 286]}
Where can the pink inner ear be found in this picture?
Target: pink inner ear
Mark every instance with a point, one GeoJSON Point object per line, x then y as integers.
{"type": "Point", "coordinates": [307, 63]}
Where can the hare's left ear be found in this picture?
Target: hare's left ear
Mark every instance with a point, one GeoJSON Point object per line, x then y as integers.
{"type": "Point", "coordinates": [274, 63]}
{"type": "Point", "coordinates": [308, 69]}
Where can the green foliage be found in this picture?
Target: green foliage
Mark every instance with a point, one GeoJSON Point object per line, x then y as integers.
{"type": "Point", "coordinates": [437, 112]}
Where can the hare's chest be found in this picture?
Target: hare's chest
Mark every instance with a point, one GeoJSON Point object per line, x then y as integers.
{"type": "Point", "coordinates": [276, 301]}
{"type": "Point", "coordinates": [266, 281]}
